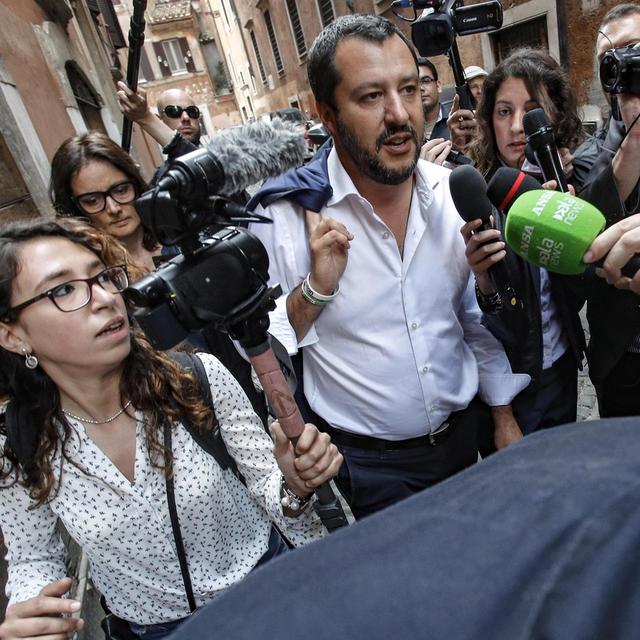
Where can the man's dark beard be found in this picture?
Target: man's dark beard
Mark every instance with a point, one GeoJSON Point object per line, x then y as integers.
{"type": "Point", "coordinates": [369, 163]}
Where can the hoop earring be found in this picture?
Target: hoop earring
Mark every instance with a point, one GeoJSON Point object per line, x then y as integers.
{"type": "Point", "coordinates": [30, 361]}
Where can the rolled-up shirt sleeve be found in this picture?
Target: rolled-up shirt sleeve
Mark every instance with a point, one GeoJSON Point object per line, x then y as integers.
{"type": "Point", "coordinates": [498, 385]}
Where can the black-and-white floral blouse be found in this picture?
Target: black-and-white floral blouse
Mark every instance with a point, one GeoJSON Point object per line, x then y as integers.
{"type": "Point", "coordinates": [125, 528]}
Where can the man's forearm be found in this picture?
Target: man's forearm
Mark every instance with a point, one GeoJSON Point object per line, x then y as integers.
{"type": "Point", "coordinates": [158, 130]}
{"type": "Point", "coordinates": [507, 430]}
{"type": "Point", "coordinates": [302, 314]}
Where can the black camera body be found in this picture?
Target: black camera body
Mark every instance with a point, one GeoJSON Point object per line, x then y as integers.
{"type": "Point", "coordinates": [620, 70]}
{"type": "Point", "coordinates": [220, 284]}
{"type": "Point", "coordinates": [435, 33]}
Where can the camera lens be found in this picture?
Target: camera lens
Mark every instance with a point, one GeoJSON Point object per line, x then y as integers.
{"type": "Point", "coordinates": [609, 71]}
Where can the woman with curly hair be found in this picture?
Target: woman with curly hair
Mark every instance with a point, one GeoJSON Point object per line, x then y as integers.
{"type": "Point", "coordinates": [92, 177]}
{"type": "Point", "coordinates": [525, 80]}
{"type": "Point", "coordinates": [544, 337]}
{"type": "Point", "coordinates": [97, 401]}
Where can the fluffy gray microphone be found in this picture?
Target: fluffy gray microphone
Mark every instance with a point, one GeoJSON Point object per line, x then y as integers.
{"type": "Point", "coordinates": [234, 160]}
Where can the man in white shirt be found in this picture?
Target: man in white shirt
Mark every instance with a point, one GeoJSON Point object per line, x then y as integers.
{"type": "Point", "coordinates": [379, 292]}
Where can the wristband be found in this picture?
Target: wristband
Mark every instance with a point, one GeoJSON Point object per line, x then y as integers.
{"type": "Point", "coordinates": [491, 304]}
{"type": "Point", "coordinates": [313, 297]}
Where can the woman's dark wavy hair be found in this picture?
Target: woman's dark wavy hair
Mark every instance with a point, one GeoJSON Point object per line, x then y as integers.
{"type": "Point", "coordinates": [78, 151]}
{"type": "Point", "coordinates": [547, 83]}
{"type": "Point", "coordinates": [153, 382]}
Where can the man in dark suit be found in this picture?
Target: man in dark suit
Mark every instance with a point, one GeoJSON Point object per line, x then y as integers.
{"type": "Point", "coordinates": [613, 186]}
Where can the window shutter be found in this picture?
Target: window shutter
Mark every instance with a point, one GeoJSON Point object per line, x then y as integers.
{"type": "Point", "coordinates": [162, 59]}
{"type": "Point", "coordinates": [186, 55]}
{"type": "Point", "coordinates": [145, 65]}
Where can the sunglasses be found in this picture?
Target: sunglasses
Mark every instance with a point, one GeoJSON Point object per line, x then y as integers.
{"type": "Point", "coordinates": [175, 111]}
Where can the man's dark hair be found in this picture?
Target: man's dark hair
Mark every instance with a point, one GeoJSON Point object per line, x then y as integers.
{"type": "Point", "coordinates": [321, 69]}
{"type": "Point", "coordinates": [618, 12]}
{"type": "Point", "coordinates": [425, 62]}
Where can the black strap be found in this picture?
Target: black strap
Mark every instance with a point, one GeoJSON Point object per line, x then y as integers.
{"type": "Point", "coordinates": [211, 441]}
{"type": "Point", "coordinates": [175, 526]}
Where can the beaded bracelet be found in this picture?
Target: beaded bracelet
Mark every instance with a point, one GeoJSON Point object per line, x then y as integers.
{"type": "Point", "coordinates": [491, 304]}
{"type": "Point", "coordinates": [291, 500]}
{"type": "Point", "coordinates": [313, 297]}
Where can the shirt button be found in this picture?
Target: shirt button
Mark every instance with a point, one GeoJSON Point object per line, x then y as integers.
{"type": "Point", "coordinates": [414, 325]}
{"type": "Point", "coordinates": [385, 235]}
{"type": "Point", "coordinates": [425, 370]}
{"type": "Point", "coordinates": [433, 407]}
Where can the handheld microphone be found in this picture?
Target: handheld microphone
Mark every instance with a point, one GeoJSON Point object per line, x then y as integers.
{"type": "Point", "coordinates": [541, 139]}
{"type": "Point", "coordinates": [468, 191]}
{"type": "Point", "coordinates": [507, 185]}
{"type": "Point", "coordinates": [554, 230]}
{"type": "Point", "coordinates": [234, 160]}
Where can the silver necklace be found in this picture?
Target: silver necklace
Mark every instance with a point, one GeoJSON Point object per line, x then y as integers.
{"type": "Point", "coordinates": [91, 421]}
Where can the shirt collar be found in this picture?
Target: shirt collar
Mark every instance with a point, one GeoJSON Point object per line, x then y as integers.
{"type": "Point", "coordinates": [343, 186]}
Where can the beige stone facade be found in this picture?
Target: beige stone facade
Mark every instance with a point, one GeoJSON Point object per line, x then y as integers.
{"type": "Point", "coordinates": [57, 68]}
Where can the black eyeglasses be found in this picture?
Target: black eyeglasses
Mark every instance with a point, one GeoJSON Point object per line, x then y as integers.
{"type": "Point", "coordinates": [95, 202]}
{"type": "Point", "coordinates": [75, 294]}
{"type": "Point", "coordinates": [426, 81]}
{"type": "Point", "coordinates": [175, 111]}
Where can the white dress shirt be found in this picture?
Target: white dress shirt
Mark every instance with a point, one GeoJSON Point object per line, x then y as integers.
{"type": "Point", "coordinates": [401, 346]}
{"type": "Point", "coordinates": [125, 529]}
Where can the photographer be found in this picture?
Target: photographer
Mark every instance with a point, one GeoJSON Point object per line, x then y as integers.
{"type": "Point", "coordinates": [99, 408]}
{"type": "Point", "coordinates": [613, 186]}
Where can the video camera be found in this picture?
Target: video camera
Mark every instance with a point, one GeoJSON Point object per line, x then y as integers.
{"type": "Point", "coordinates": [620, 70]}
{"type": "Point", "coordinates": [435, 33]}
{"type": "Point", "coordinates": [219, 275]}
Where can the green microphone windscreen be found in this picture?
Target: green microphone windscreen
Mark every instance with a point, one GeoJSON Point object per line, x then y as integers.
{"type": "Point", "coordinates": [553, 230]}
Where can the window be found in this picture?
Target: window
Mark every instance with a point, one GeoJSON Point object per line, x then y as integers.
{"type": "Point", "coordinates": [326, 11]}
{"type": "Point", "coordinates": [174, 56]}
{"type": "Point", "coordinates": [274, 43]}
{"type": "Point", "coordinates": [145, 73]}
{"type": "Point", "coordinates": [296, 27]}
{"type": "Point", "coordinates": [226, 15]}
{"type": "Point", "coordinates": [532, 33]}
{"type": "Point", "coordinates": [254, 42]}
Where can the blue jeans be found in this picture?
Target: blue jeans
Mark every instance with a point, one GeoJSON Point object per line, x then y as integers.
{"type": "Point", "coordinates": [163, 630]}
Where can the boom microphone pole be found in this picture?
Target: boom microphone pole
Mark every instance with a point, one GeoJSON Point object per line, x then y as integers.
{"type": "Point", "coordinates": [252, 334]}
{"type": "Point", "coordinates": [136, 40]}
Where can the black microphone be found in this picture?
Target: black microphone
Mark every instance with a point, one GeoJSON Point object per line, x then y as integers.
{"type": "Point", "coordinates": [234, 160]}
{"type": "Point", "coordinates": [469, 194]}
{"type": "Point", "coordinates": [506, 185]}
{"type": "Point", "coordinates": [541, 140]}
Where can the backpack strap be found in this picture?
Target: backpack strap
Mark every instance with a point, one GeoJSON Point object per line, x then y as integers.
{"type": "Point", "coordinates": [175, 527]}
{"type": "Point", "coordinates": [211, 441]}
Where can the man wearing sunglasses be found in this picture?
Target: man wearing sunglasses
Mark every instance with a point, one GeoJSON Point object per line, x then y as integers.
{"type": "Point", "coordinates": [177, 109]}
{"type": "Point", "coordinates": [176, 127]}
